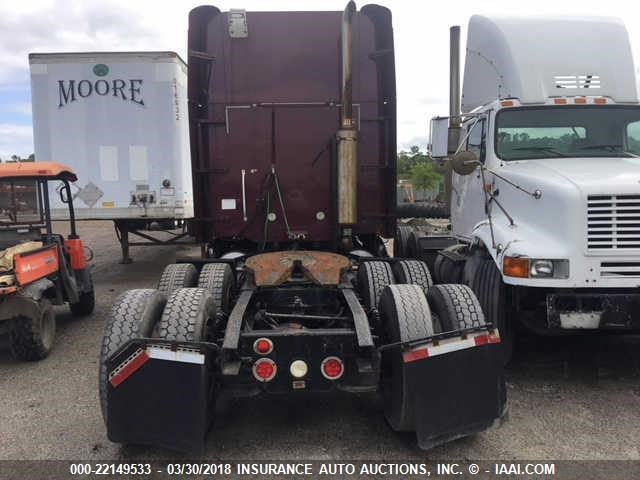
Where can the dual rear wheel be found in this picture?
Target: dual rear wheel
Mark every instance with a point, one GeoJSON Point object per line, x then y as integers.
{"type": "Point", "coordinates": [182, 309]}
{"type": "Point", "coordinates": [409, 308]}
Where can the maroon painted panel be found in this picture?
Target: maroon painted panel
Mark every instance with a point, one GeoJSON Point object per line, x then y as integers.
{"type": "Point", "coordinates": [269, 103]}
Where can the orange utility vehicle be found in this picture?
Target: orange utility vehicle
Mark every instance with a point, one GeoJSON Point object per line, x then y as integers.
{"type": "Point", "coordinates": [38, 268]}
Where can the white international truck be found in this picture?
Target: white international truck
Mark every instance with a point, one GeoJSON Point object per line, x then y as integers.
{"type": "Point", "coordinates": [545, 187]}
{"type": "Point", "coordinates": [119, 119]}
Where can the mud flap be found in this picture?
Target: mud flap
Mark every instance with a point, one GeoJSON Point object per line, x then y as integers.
{"type": "Point", "coordinates": [457, 388]}
{"type": "Point", "coordinates": [161, 397]}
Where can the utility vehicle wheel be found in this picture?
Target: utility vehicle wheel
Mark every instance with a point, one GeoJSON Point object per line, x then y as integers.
{"type": "Point", "coordinates": [372, 278]}
{"type": "Point", "coordinates": [401, 240]}
{"type": "Point", "coordinates": [492, 294]}
{"type": "Point", "coordinates": [186, 316]}
{"type": "Point", "coordinates": [177, 275]}
{"type": "Point", "coordinates": [31, 338]}
{"type": "Point", "coordinates": [133, 315]}
{"type": "Point", "coordinates": [218, 279]}
{"type": "Point", "coordinates": [446, 270]}
{"type": "Point", "coordinates": [415, 272]}
{"type": "Point", "coordinates": [405, 316]}
{"type": "Point", "coordinates": [456, 306]}
{"type": "Point", "coordinates": [85, 305]}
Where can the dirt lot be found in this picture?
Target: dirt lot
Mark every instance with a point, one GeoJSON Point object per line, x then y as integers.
{"type": "Point", "coordinates": [574, 398]}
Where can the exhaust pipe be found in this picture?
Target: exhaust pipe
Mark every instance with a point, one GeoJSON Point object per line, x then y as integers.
{"type": "Point", "coordinates": [347, 137]}
{"type": "Point", "coordinates": [454, 108]}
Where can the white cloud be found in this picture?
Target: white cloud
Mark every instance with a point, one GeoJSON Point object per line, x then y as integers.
{"type": "Point", "coordinates": [15, 140]}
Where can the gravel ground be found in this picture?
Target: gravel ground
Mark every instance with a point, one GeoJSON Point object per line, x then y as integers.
{"type": "Point", "coordinates": [572, 398]}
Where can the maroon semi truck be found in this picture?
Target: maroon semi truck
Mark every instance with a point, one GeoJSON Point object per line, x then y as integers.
{"type": "Point", "coordinates": [293, 141]}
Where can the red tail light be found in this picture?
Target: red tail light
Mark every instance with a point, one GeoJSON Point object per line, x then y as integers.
{"type": "Point", "coordinates": [263, 346]}
{"type": "Point", "coordinates": [264, 369]}
{"type": "Point", "coordinates": [332, 368]}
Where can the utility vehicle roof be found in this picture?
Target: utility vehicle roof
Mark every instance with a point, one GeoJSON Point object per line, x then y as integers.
{"type": "Point", "coordinates": [44, 170]}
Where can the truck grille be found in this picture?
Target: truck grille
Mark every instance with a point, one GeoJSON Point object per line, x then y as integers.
{"type": "Point", "coordinates": [613, 222]}
{"type": "Point", "coordinates": [620, 269]}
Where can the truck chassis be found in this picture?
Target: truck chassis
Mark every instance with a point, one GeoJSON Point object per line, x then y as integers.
{"type": "Point", "coordinates": [290, 323]}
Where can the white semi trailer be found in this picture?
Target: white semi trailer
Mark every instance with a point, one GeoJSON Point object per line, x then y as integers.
{"type": "Point", "coordinates": [545, 187]}
{"type": "Point", "coordinates": [119, 119]}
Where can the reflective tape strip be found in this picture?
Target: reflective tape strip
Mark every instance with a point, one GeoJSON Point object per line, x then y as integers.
{"type": "Point", "coordinates": [450, 345]}
{"type": "Point", "coordinates": [183, 356]}
{"type": "Point", "coordinates": [128, 367]}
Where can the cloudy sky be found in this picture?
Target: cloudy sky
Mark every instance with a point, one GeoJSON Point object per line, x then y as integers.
{"type": "Point", "coordinates": [421, 36]}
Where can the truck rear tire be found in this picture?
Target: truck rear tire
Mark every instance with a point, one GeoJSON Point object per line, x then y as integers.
{"type": "Point", "coordinates": [133, 315]}
{"type": "Point", "coordinates": [487, 284]}
{"type": "Point", "coordinates": [402, 240]}
{"type": "Point", "coordinates": [415, 272]}
{"type": "Point", "coordinates": [456, 306]}
{"type": "Point", "coordinates": [218, 279]}
{"type": "Point", "coordinates": [32, 338]}
{"type": "Point", "coordinates": [373, 277]}
{"type": "Point", "coordinates": [177, 275]}
{"type": "Point", "coordinates": [405, 316]}
{"type": "Point", "coordinates": [186, 316]}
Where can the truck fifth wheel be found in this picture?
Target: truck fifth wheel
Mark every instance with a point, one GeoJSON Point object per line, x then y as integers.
{"type": "Point", "coordinates": [293, 150]}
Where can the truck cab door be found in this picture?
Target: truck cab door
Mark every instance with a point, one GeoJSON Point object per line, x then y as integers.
{"type": "Point", "coordinates": [467, 196]}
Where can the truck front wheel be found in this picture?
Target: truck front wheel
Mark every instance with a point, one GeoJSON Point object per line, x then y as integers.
{"type": "Point", "coordinates": [486, 281]}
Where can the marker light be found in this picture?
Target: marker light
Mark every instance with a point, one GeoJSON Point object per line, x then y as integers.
{"type": "Point", "coordinates": [332, 368]}
{"type": "Point", "coordinates": [298, 368]}
{"type": "Point", "coordinates": [516, 267]}
{"type": "Point", "coordinates": [264, 369]}
{"type": "Point", "coordinates": [263, 346]}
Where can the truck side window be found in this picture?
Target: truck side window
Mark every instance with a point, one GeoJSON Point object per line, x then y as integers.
{"type": "Point", "coordinates": [476, 140]}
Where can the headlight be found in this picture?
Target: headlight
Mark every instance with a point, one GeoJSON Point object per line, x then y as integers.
{"type": "Point", "coordinates": [535, 268]}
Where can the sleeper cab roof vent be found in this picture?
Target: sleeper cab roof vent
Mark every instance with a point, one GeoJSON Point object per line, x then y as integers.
{"type": "Point", "coordinates": [577, 81]}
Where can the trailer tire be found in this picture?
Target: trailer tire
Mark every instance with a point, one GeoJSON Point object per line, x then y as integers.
{"type": "Point", "coordinates": [85, 305]}
{"type": "Point", "coordinates": [32, 338]}
{"type": "Point", "coordinates": [413, 245]}
{"type": "Point", "coordinates": [402, 240]}
{"type": "Point", "coordinates": [133, 315]}
{"type": "Point", "coordinates": [491, 292]}
{"type": "Point", "coordinates": [456, 306]}
{"type": "Point", "coordinates": [186, 315]}
{"type": "Point", "coordinates": [415, 272]}
{"type": "Point", "coordinates": [406, 316]}
{"type": "Point", "coordinates": [177, 275]}
{"type": "Point", "coordinates": [373, 277]}
{"type": "Point", "coordinates": [218, 279]}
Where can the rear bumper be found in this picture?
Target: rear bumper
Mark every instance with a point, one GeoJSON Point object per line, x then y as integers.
{"type": "Point", "coordinates": [163, 393]}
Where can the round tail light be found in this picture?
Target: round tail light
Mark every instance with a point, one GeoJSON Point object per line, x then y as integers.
{"type": "Point", "coordinates": [264, 369]}
{"type": "Point", "coordinates": [263, 346]}
{"type": "Point", "coordinates": [332, 368]}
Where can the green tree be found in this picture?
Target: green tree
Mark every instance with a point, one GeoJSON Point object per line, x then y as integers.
{"type": "Point", "coordinates": [425, 177]}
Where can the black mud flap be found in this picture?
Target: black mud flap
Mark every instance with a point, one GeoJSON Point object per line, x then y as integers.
{"type": "Point", "coordinates": [457, 388]}
{"type": "Point", "coordinates": [160, 396]}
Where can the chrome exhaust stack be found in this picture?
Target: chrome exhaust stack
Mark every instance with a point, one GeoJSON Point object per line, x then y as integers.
{"type": "Point", "coordinates": [347, 136]}
{"type": "Point", "coordinates": [455, 120]}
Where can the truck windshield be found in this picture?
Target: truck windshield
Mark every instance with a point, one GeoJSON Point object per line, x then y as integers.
{"type": "Point", "coordinates": [568, 131]}
{"type": "Point", "coordinates": [19, 203]}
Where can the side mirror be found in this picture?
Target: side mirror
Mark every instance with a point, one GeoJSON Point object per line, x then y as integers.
{"type": "Point", "coordinates": [439, 137]}
{"type": "Point", "coordinates": [464, 163]}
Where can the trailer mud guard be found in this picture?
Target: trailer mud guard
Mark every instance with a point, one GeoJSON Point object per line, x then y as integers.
{"type": "Point", "coordinates": [160, 396]}
{"type": "Point", "coordinates": [457, 387]}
